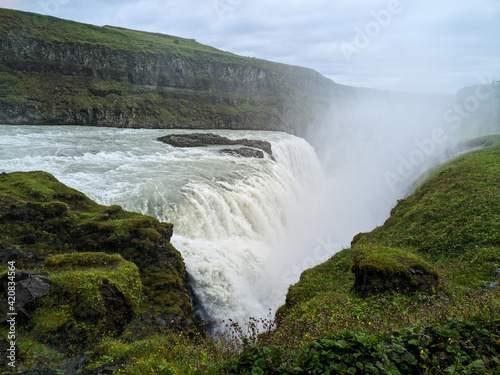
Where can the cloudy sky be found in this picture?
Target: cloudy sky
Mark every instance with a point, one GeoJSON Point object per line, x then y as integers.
{"type": "Point", "coordinates": [433, 46]}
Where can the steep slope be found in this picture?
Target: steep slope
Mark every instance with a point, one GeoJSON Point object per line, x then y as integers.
{"type": "Point", "coordinates": [54, 71]}
{"type": "Point", "coordinates": [452, 220]}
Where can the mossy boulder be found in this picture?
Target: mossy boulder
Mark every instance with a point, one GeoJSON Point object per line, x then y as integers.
{"type": "Point", "coordinates": [92, 294]}
{"type": "Point", "coordinates": [385, 269]}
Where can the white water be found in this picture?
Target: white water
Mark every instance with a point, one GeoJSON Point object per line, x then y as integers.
{"type": "Point", "coordinates": [243, 225]}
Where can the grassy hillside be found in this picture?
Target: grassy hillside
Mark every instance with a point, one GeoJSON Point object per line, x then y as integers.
{"type": "Point", "coordinates": [54, 30]}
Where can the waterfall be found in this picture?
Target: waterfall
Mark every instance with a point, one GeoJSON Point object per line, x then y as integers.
{"type": "Point", "coordinates": [244, 226]}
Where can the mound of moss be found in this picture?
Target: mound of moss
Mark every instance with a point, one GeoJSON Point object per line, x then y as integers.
{"type": "Point", "coordinates": [383, 269]}
{"type": "Point", "coordinates": [91, 295]}
{"type": "Point", "coordinates": [114, 272]}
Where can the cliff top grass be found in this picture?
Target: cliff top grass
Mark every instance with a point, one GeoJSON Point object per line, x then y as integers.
{"type": "Point", "coordinates": [59, 31]}
{"type": "Point", "coordinates": [56, 30]}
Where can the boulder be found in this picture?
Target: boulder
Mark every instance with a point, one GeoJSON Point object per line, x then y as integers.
{"type": "Point", "coordinates": [494, 285]}
{"type": "Point", "coordinates": [245, 152]}
{"type": "Point", "coordinates": [74, 365]}
{"type": "Point", "coordinates": [8, 254]}
{"type": "Point", "coordinates": [384, 269]}
{"type": "Point", "coordinates": [497, 273]}
{"type": "Point", "coordinates": [209, 139]}
{"type": "Point", "coordinates": [30, 287]}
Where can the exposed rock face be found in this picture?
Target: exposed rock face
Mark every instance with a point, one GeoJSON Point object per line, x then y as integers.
{"type": "Point", "coordinates": [244, 151]}
{"type": "Point", "coordinates": [9, 254]}
{"type": "Point", "coordinates": [207, 139]}
{"type": "Point", "coordinates": [494, 285]}
{"type": "Point", "coordinates": [30, 287]}
{"type": "Point", "coordinates": [385, 269]}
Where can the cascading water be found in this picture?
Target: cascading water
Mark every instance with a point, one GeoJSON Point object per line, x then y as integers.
{"type": "Point", "coordinates": [241, 224]}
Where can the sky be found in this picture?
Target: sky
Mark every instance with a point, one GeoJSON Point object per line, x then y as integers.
{"type": "Point", "coordinates": [428, 46]}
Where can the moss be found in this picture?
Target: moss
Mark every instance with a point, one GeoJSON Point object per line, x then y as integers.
{"type": "Point", "coordinates": [383, 269]}
{"type": "Point", "coordinates": [78, 307]}
{"type": "Point", "coordinates": [391, 261]}
{"type": "Point", "coordinates": [82, 260]}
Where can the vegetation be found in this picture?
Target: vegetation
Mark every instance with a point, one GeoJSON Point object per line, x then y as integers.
{"type": "Point", "coordinates": [114, 273]}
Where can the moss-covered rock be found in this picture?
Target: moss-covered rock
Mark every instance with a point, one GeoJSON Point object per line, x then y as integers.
{"type": "Point", "coordinates": [92, 294]}
{"type": "Point", "coordinates": [113, 271]}
{"type": "Point", "coordinates": [385, 269]}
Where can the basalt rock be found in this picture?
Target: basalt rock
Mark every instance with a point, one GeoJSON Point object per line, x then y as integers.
{"type": "Point", "coordinates": [209, 139]}
{"type": "Point", "coordinates": [29, 288]}
{"type": "Point", "coordinates": [244, 151]}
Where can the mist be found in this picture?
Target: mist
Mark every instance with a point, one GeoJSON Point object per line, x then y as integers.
{"type": "Point", "coordinates": [377, 145]}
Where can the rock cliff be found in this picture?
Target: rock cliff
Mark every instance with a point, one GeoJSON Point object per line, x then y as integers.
{"type": "Point", "coordinates": [54, 71]}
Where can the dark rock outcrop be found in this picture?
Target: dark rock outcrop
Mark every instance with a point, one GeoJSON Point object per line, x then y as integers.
{"type": "Point", "coordinates": [208, 139]}
{"type": "Point", "coordinates": [494, 285]}
{"type": "Point", "coordinates": [244, 151]}
{"type": "Point", "coordinates": [30, 287]}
